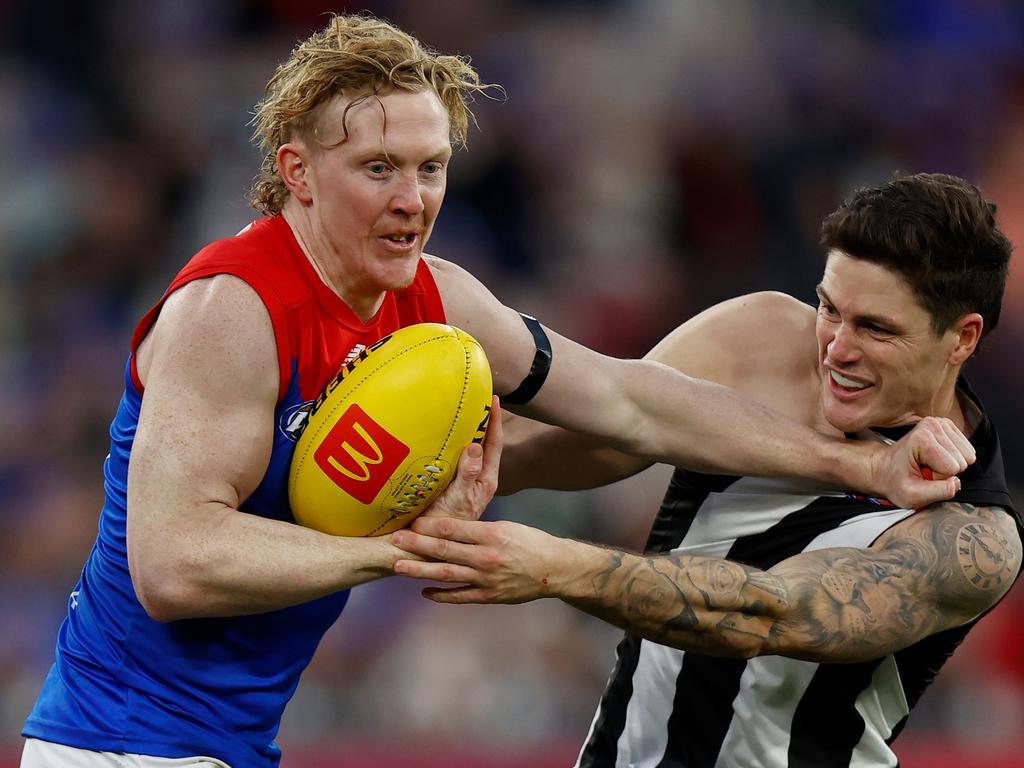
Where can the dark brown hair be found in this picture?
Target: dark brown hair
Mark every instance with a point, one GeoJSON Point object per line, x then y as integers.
{"type": "Point", "coordinates": [935, 230]}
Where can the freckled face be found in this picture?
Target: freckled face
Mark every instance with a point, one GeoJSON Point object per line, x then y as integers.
{"type": "Point", "coordinates": [376, 195]}
{"type": "Point", "coordinates": [880, 362]}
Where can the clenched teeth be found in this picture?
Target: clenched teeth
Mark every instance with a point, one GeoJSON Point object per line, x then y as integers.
{"type": "Point", "coordinates": [842, 381]}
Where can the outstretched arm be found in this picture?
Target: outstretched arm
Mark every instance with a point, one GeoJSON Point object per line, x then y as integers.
{"type": "Point", "coordinates": [653, 411]}
{"type": "Point", "coordinates": [928, 573]}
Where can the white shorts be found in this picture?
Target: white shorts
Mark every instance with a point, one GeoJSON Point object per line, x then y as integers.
{"type": "Point", "coordinates": [46, 754]}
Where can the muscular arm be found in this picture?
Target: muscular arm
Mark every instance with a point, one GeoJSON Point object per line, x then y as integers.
{"type": "Point", "coordinates": [930, 572]}
{"type": "Point", "coordinates": [722, 344]}
{"type": "Point", "coordinates": [656, 413]}
{"type": "Point", "coordinates": [735, 344]}
{"type": "Point", "coordinates": [202, 446]}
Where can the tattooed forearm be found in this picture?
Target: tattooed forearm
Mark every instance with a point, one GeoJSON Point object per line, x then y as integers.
{"type": "Point", "coordinates": [932, 571]}
{"type": "Point", "coordinates": [603, 576]}
{"type": "Point", "coordinates": [707, 603]}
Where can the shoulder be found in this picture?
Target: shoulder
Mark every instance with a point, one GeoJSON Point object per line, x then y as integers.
{"type": "Point", "coordinates": [215, 302]}
{"type": "Point", "coordinates": [786, 312]}
{"type": "Point", "coordinates": [220, 318]}
{"type": "Point", "coordinates": [254, 238]}
{"type": "Point", "coordinates": [755, 335]}
{"type": "Point", "coordinates": [756, 307]}
{"type": "Point", "coordinates": [467, 302]}
{"type": "Point", "coordinates": [445, 272]}
{"type": "Point", "coordinates": [972, 554]}
{"type": "Point", "coordinates": [757, 316]}
{"type": "Point", "coordinates": [264, 254]}
{"type": "Point", "coordinates": [454, 283]}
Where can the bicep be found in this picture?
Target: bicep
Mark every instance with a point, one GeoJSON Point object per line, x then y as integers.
{"type": "Point", "coordinates": [583, 390]}
{"type": "Point", "coordinates": [590, 392]}
{"type": "Point", "coordinates": [920, 577]}
{"type": "Point", "coordinates": [205, 427]}
{"type": "Point", "coordinates": [500, 330]}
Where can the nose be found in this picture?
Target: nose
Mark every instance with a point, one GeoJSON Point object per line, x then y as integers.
{"type": "Point", "coordinates": [843, 346]}
{"type": "Point", "coordinates": [408, 196]}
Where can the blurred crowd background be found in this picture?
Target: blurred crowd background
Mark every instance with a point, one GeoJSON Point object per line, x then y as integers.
{"type": "Point", "coordinates": [651, 158]}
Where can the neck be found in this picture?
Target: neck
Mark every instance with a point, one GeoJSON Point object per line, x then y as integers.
{"type": "Point", "coordinates": [952, 409]}
{"type": "Point", "coordinates": [320, 254]}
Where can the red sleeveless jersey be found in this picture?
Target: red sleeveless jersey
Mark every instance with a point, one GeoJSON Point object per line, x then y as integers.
{"type": "Point", "coordinates": [124, 682]}
{"type": "Point", "coordinates": [315, 330]}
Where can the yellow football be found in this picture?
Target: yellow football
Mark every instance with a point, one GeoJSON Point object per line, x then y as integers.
{"type": "Point", "coordinates": [385, 436]}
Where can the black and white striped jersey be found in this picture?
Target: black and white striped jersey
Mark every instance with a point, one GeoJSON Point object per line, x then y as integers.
{"type": "Point", "coordinates": [668, 708]}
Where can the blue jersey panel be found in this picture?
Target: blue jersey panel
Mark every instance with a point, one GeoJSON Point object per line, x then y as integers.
{"type": "Point", "coordinates": [124, 682]}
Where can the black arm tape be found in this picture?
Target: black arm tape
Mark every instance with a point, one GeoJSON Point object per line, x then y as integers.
{"type": "Point", "coordinates": [534, 380]}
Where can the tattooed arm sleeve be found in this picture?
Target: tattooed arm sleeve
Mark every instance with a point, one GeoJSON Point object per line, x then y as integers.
{"type": "Point", "coordinates": [930, 572]}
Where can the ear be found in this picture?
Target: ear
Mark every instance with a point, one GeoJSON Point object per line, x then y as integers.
{"type": "Point", "coordinates": [293, 165]}
{"type": "Point", "coordinates": [968, 333]}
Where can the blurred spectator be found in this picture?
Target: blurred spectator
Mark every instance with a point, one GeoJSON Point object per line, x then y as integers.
{"type": "Point", "coordinates": [650, 159]}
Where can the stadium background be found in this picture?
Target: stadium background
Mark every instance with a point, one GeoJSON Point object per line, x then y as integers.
{"type": "Point", "coordinates": [651, 158]}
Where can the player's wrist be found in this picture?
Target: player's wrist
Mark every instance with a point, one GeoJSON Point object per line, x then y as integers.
{"type": "Point", "coordinates": [582, 572]}
{"type": "Point", "coordinates": [851, 464]}
{"type": "Point", "coordinates": [375, 556]}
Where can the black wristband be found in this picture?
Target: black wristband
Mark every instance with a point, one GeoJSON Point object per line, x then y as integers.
{"type": "Point", "coordinates": [538, 371]}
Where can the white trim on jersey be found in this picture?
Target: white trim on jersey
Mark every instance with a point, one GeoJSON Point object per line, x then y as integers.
{"type": "Point", "coordinates": [662, 707]}
{"type": "Point", "coordinates": [883, 705]}
{"type": "Point", "coordinates": [751, 505]}
{"type": "Point", "coordinates": [771, 688]}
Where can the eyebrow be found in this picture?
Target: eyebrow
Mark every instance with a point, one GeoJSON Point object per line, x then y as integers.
{"type": "Point", "coordinates": [442, 153]}
{"type": "Point", "coordinates": [879, 320]}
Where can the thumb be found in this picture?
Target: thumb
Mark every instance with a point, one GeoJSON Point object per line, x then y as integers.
{"type": "Point", "coordinates": [471, 461]}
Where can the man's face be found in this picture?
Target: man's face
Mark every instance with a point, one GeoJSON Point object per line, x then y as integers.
{"type": "Point", "coordinates": [879, 361]}
{"type": "Point", "coordinates": [375, 195]}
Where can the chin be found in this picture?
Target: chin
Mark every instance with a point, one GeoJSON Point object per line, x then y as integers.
{"type": "Point", "coordinates": [399, 276]}
{"type": "Point", "coordinates": [845, 418]}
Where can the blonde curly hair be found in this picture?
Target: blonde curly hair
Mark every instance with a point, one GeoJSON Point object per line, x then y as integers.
{"type": "Point", "coordinates": [356, 55]}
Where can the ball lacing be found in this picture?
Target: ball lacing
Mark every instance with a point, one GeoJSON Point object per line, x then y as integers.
{"type": "Point", "coordinates": [422, 488]}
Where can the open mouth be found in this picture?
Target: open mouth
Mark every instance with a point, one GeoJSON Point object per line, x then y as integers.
{"type": "Point", "coordinates": [400, 243]}
{"type": "Point", "coordinates": [844, 385]}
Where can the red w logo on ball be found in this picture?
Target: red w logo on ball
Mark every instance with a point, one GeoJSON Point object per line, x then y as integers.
{"type": "Point", "coordinates": [359, 455]}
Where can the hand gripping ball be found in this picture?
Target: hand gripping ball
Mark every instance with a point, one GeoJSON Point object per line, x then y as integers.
{"type": "Point", "coordinates": [384, 438]}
